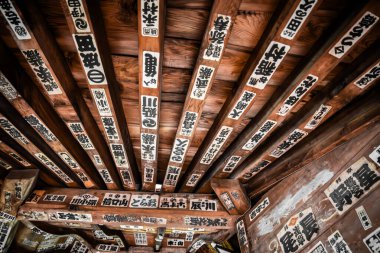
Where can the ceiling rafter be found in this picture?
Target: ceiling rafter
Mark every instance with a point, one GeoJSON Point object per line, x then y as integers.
{"type": "Point", "coordinates": [276, 43]}
{"type": "Point", "coordinates": [221, 19]}
{"type": "Point", "coordinates": [358, 117]}
{"type": "Point", "coordinates": [324, 108]}
{"type": "Point", "coordinates": [279, 108]}
{"type": "Point", "coordinates": [49, 161]}
{"type": "Point", "coordinates": [32, 118]}
{"type": "Point", "coordinates": [87, 28]}
{"type": "Point", "coordinates": [18, 161]}
{"type": "Point", "coordinates": [54, 79]}
{"type": "Point", "coordinates": [151, 25]}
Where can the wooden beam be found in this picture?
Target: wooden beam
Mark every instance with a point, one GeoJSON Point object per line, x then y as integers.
{"type": "Point", "coordinates": [41, 129]}
{"type": "Point", "coordinates": [278, 109]}
{"type": "Point", "coordinates": [310, 121]}
{"type": "Point", "coordinates": [272, 49]}
{"type": "Point", "coordinates": [123, 209]}
{"type": "Point", "coordinates": [232, 195]}
{"type": "Point", "coordinates": [53, 77]}
{"type": "Point", "coordinates": [151, 25]}
{"type": "Point", "coordinates": [313, 191]}
{"type": "Point", "coordinates": [221, 20]}
{"type": "Point", "coordinates": [45, 156]}
{"type": "Point", "coordinates": [6, 142]}
{"type": "Point", "coordinates": [89, 35]}
{"type": "Point", "coordinates": [357, 118]}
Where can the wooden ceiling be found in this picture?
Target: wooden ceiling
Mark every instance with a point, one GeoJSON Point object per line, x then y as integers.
{"type": "Point", "coordinates": [126, 94]}
{"type": "Point", "coordinates": [252, 31]}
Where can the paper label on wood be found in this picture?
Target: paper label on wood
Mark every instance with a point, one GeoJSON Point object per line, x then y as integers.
{"type": "Point", "coordinates": [357, 31]}
{"type": "Point", "coordinates": [151, 62]}
{"type": "Point", "coordinates": [105, 174]}
{"type": "Point", "coordinates": [227, 201]}
{"type": "Point", "coordinates": [353, 184]}
{"type": "Point", "coordinates": [5, 165]}
{"type": "Point", "coordinates": [188, 123]}
{"type": "Point", "coordinates": [172, 174]}
{"type": "Point", "coordinates": [44, 76]}
{"type": "Point", "coordinates": [298, 231]}
{"type": "Point", "coordinates": [375, 155]}
{"type": "Point", "coordinates": [216, 144]}
{"type": "Point", "coordinates": [7, 89]}
{"type": "Point", "coordinates": [368, 78]}
{"type": "Point", "coordinates": [140, 239]}
{"type": "Point", "coordinates": [318, 116]}
{"type": "Point", "coordinates": [149, 112]}
{"type": "Point", "coordinates": [193, 180]}
{"type": "Point", "coordinates": [119, 155]}
{"type": "Point", "coordinates": [108, 247]}
{"type": "Point", "coordinates": [257, 168]}
{"type": "Point", "coordinates": [372, 241]}
{"type": "Point", "coordinates": [90, 58]}
{"type": "Point", "coordinates": [19, 159]}
{"type": "Point", "coordinates": [242, 236]}
{"type": "Point", "coordinates": [10, 129]}
{"type": "Point", "coordinates": [110, 128]}
{"type": "Point", "coordinates": [70, 161]}
{"type": "Point", "coordinates": [243, 103]}
{"type": "Point", "coordinates": [126, 177]}
{"type": "Point", "coordinates": [296, 136]}
{"type": "Point", "coordinates": [53, 167]}
{"type": "Point", "coordinates": [216, 37]}
{"type": "Point", "coordinates": [268, 64]}
{"type": "Point", "coordinates": [363, 217]}
{"type": "Point", "coordinates": [42, 129]}
{"type": "Point", "coordinates": [296, 95]}
{"type": "Point", "coordinates": [150, 17]}
{"type": "Point", "coordinates": [77, 130]}
{"type": "Point", "coordinates": [54, 197]}
{"type": "Point", "coordinates": [189, 236]}
{"type": "Point", "coordinates": [84, 200]}
{"type": "Point", "coordinates": [338, 244]}
{"type": "Point", "coordinates": [175, 242]}
{"type": "Point", "coordinates": [259, 135]}
{"type": "Point", "coordinates": [259, 208]}
{"type": "Point", "coordinates": [144, 201]}
{"type": "Point", "coordinates": [173, 202]}
{"type": "Point", "coordinates": [79, 247]}
{"type": "Point", "coordinates": [14, 20]}
{"type": "Point", "coordinates": [179, 150]}
{"type": "Point", "coordinates": [101, 101]}
{"type": "Point", "coordinates": [318, 248]}
{"type": "Point", "coordinates": [203, 205]}
{"type": "Point", "coordinates": [196, 245]}
{"type": "Point", "coordinates": [298, 17]}
{"type": "Point", "coordinates": [69, 216]}
{"type": "Point", "coordinates": [116, 199]}
{"type": "Point", "coordinates": [78, 16]}
{"type": "Point", "coordinates": [231, 163]}
{"type": "Point", "coordinates": [148, 146]}
{"type": "Point", "coordinates": [205, 222]}
{"type": "Point", "coordinates": [202, 82]}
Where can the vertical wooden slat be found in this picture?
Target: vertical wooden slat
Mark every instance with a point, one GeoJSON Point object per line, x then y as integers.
{"type": "Point", "coordinates": [221, 19]}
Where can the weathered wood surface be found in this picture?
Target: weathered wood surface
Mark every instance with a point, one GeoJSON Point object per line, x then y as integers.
{"type": "Point", "coordinates": [359, 117]}
{"type": "Point", "coordinates": [305, 189]}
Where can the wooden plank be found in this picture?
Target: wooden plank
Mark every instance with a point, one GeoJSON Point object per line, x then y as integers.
{"type": "Point", "coordinates": [279, 109]}
{"type": "Point", "coordinates": [359, 117]}
{"type": "Point", "coordinates": [253, 81]}
{"type": "Point", "coordinates": [88, 35]}
{"type": "Point", "coordinates": [211, 52]}
{"type": "Point", "coordinates": [306, 189]}
{"type": "Point", "coordinates": [127, 208]}
{"type": "Point", "coordinates": [151, 16]}
{"type": "Point", "coordinates": [232, 195]}
{"type": "Point", "coordinates": [59, 87]}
